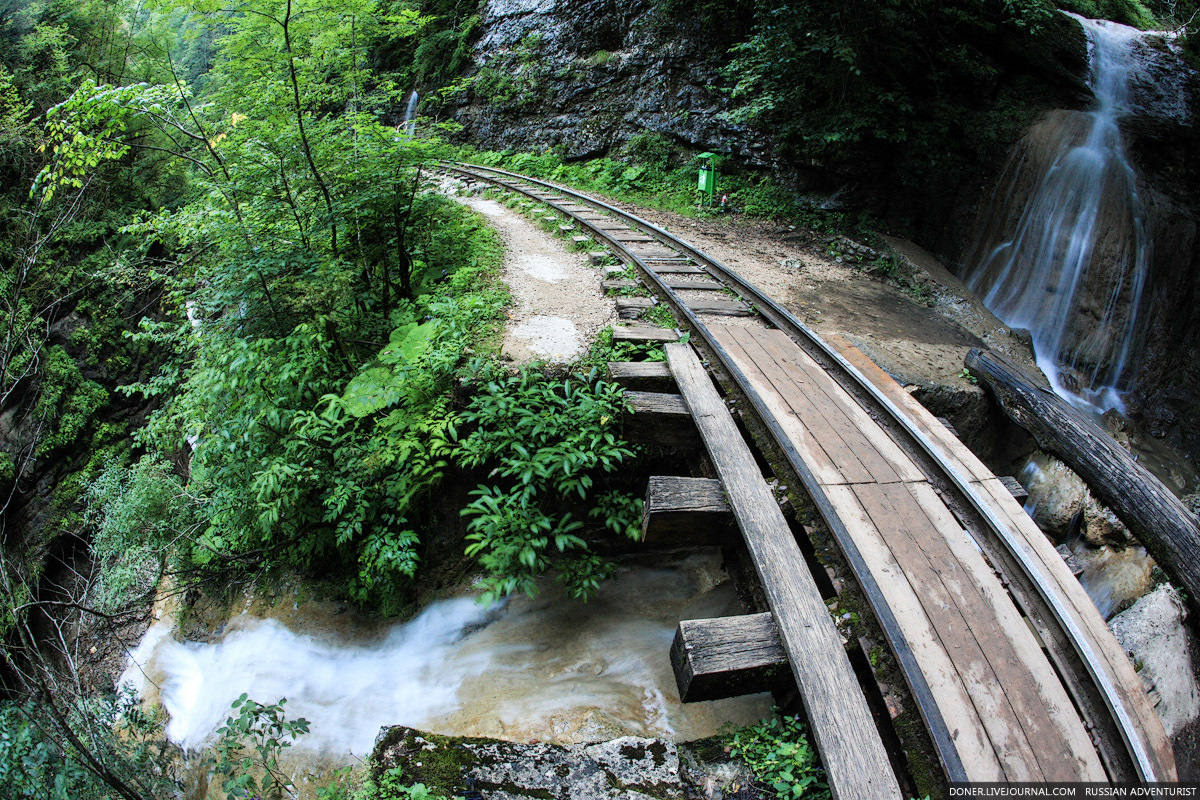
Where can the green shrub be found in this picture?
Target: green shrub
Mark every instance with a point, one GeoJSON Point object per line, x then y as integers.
{"type": "Point", "coordinates": [779, 754]}
{"type": "Point", "coordinates": [548, 441]}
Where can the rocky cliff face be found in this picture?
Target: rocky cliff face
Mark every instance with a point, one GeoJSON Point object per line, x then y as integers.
{"type": "Point", "coordinates": [585, 77]}
{"type": "Point", "coordinates": [1163, 139]}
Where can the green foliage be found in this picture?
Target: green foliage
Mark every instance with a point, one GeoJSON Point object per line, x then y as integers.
{"type": "Point", "coordinates": [67, 401]}
{"type": "Point", "coordinates": [547, 440]}
{"type": "Point", "coordinates": [1126, 12]}
{"type": "Point", "coordinates": [138, 515]}
{"type": "Point", "coordinates": [248, 747]}
{"type": "Point", "coordinates": [390, 785]}
{"type": "Point", "coordinates": [779, 754]}
{"type": "Point", "coordinates": [130, 743]}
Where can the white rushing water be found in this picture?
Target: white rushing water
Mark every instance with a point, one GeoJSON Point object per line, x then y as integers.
{"type": "Point", "coordinates": [548, 669]}
{"type": "Point", "coordinates": [1070, 262]}
{"type": "Point", "coordinates": [409, 126]}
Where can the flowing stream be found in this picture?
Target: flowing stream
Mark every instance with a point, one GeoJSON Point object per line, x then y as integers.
{"type": "Point", "coordinates": [1063, 250]}
{"type": "Point", "coordinates": [548, 669]}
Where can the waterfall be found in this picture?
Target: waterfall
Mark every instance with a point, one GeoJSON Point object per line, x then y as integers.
{"type": "Point", "coordinates": [1062, 249]}
{"type": "Point", "coordinates": [409, 126]}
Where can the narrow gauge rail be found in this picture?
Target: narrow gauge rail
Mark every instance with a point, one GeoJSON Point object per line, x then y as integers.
{"type": "Point", "coordinates": [1097, 675]}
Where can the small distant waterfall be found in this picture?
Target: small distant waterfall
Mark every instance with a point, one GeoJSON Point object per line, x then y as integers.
{"type": "Point", "coordinates": [1062, 248]}
{"type": "Point", "coordinates": [409, 126]}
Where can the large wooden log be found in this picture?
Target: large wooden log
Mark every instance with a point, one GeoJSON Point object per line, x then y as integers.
{"type": "Point", "coordinates": [1152, 513]}
{"type": "Point", "coordinates": [728, 657]}
{"type": "Point", "coordinates": [856, 762]}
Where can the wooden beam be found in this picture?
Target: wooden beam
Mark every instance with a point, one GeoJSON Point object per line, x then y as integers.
{"type": "Point", "coordinates": [643, 333]}
{"type": "Point", "coordinates": [685, 511]}
{"type": "Point", "coordinates": [645, 376]}
{"type": "Point", "coordinates": [856, 762]}
{"type": "Point", "coordinates": [660, 418]}
{"type": "Point", "coordinates": [729, 307]}
{"type": "Point", "coordinates": [1014, 488]}
{"type": "Point", "coordinates": [728, 657]}
{"type": "Point", "coordinates": [686, 283]}
{"type": "Point", "coordinates": [618, 284]}
{"type": "Point", "coordinates": [1152, 513]}
{"type": "Point", "coordinates": [632, 307]}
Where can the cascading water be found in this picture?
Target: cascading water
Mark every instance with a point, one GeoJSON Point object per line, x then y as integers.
{"type": "Point", "coordinates": [548, 669]}
{"type": "Point", "coordinates": [409, 126]}
{"type": "Point", "coordinates": [1063, 250]}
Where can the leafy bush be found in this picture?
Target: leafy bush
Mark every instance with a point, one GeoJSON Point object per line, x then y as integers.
{"type": "Point", "coordinates": [137, 515]}
{"type": "Point", "coordinates": [37, 764]}
{"type": "Point", "coordinates": [547, 440]}
{"type": "Point", "coordinates": [779, 754]}
{"type": "Point", "coordinates": [248, 748]}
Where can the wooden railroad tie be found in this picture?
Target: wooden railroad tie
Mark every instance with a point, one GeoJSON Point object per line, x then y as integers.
{"type": "Point", "coordinates": [686, 511]}
{"type": "Point", "coordinates": [646, 376]}
{"type": "Point", "coordinates": [619, 284]}
{"type": "Point", "coordinates": [728, 657]}
{"type": "Point", "coordinates": [643, 333]}
{"type": "Point", "coordinates": [661, 418]}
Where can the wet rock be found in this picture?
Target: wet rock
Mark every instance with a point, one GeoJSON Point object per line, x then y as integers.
{"type": "Point", "coordinates": [1056, 494]}
{"type": "Point", "coordinates": [1101, 526]}
{"type": "Point", "coordinates": [628, 768]}
{"type": "Point", "coordinates": [1153, 633]}
{"type": "Point", "coordinates": [1114, 578]}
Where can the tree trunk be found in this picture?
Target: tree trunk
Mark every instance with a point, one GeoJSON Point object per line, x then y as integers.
{"type": "Point", "coordinates": [1153, 514]}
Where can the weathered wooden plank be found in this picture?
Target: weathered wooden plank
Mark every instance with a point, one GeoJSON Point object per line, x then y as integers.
{"type": "Point", "coordinates": [634, 302]}
{"type": "Point", "coordinates": [683, 283]}
{"type": "Point", "coordinates": [681, 267]}
{"type": "Point", "coordinates": [842, 442]}
{"type": "Point", "coordinates": [596, 256]}
{"type": "Point", "coordinates": [1151, 511]}
{"type": "Point", "coordinates": [932, 656]}
{"type": "Point", "coordinates": [685, 510]}
{"type": "Point", "coordinates": [563, 230]}
{"type": "Point", "coordinates": [648, 253]}
{"type": "Point", "coordinates": [618, 284]}
{"type": "Point", "coordinates": [728, 308]}
{"type": "Point", "coordinates": [643, 333]}
{"type": "Point", "coordinates": [1031, 546]}
{"type": "Point", "coordinates": [855, 761]}
{"type": "Point", "coordinates": [579, 241]}
{"type": "Point", "coordinates": [1014, 488]}
{"type": "Point", "coordinates": [795, 427]}
{"type": "Point", "coordinates": [632, 307]}
{"type": "Point", "coordinates": [958, 454]}
{"type": "Point", "coordinates": [659, 417]}
{"type": "Point", "coordinates": [940, 584]}
{"type": "Point", "coordinates": [646, 376]}
{"type": "Point", "coordinates": [873, 446]}
{"type": "Point", "coordinates": [630, 236]}
{"type": "Point", "coordinates": [728, 657]}
{"type": "Point", "coordinates": [1108, 658]}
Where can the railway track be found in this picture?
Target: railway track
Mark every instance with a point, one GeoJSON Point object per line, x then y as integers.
{"type": "Point", "coordinates": [1101, 684]}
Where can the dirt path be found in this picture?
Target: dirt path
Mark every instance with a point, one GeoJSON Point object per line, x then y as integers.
{"type": "Point", "coordinates": [559, 305]}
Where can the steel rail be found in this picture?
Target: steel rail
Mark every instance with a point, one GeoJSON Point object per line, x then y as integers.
{"type": "Point", "coordinates": [1017, 549]}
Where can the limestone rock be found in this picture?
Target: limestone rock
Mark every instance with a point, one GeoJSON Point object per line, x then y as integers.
{"type": "Point", "coordinates": [1153, 634]}
{"type": "Point", "coordinates": [627, 768]}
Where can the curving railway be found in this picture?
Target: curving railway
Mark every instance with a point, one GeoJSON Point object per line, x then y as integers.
{"type": "Point", "coordinates": [1015, 674]}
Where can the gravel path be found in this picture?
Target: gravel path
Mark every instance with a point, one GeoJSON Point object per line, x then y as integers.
{"type": "Point", "coordinates": [559, 305]}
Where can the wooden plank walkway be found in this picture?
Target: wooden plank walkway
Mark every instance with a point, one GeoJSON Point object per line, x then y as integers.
{"type": "Point", "coordinates": [1009, 716]}
{"type": "Point", "coordinates": [1111, 661]}
{"type": "Point", "coordinates": [855, 760]}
